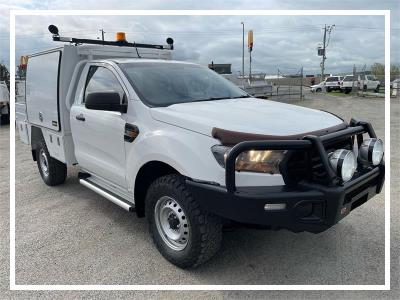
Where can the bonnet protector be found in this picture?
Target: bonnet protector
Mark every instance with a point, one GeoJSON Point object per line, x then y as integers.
{"type": "Point", "coordinates": [229, 138]}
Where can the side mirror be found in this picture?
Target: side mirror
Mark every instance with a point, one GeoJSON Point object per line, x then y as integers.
{"type": "Point", "coordinates": [109, 101]}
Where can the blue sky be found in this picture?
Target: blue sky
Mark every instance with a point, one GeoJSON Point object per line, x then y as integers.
{"type": "Point", "coordinates": [286, 43]}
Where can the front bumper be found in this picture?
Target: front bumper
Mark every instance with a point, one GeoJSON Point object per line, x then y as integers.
{"type": "Point", "coordinates": [309, 206]}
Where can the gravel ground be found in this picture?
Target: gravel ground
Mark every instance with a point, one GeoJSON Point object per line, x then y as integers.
{"type": "Point", "coordinates": [70, 235]}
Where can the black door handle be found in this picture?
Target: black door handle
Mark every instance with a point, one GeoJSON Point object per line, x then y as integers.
{"type": "Point", "coordinates": [80, 117]}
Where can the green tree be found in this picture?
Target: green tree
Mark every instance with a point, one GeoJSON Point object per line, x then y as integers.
{"type": "Point", "coordinates": [378, 69]}
{"type": "Point", "coordinates": [394, 70]}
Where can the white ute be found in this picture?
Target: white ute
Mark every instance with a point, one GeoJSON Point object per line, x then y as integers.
{"type": "Point", "coordinates": [364, 82]}
{"type": "Point", "coordinates": [184, 147]}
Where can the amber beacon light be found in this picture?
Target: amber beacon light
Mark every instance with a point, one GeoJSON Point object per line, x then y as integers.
{"type": "Point", "coordinates": [121, 36]}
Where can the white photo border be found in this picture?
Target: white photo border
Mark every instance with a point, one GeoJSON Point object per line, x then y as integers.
{"type": "Point", "coordinates": [14, 13]}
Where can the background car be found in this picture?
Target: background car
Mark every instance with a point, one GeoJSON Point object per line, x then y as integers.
{"type": "Point", "coordinates": [396, 81]}
{"type": "Point", "coordinates": [317, 88]}
{"type": "Point", "coordinates": [332, 83]}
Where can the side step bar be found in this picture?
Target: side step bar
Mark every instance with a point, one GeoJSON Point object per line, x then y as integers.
{"type": "Point", "coordinates": [113, 198]}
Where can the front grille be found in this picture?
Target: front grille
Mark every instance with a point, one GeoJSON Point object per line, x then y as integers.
{"type": "Point", "coordinates": [307, 164]}
{"type": "Point", "coordinates": [318, 172]}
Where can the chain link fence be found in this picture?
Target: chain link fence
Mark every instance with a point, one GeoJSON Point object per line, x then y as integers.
{"type": "Point", "coordinates": [287, 84]}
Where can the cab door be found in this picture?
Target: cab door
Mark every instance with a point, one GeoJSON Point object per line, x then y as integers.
{"type": "Point", "coordinates": [99, 134]}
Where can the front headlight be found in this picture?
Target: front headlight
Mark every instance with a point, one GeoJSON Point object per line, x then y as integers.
{"type": "Point", "coordinates": [260, 161]}
{"type": "Point", "coordinates": [371, 151]}
{"type": "Point", "coordinates": [344, 163]}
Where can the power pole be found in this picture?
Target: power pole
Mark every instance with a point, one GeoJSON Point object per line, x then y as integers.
{"type": "Point", "coordinates": [102, 34]}
{"type": "Point", "coordinates": [250, 67]}
{"type": "Point", "coordinates": [250, 46]}
{"type": "Point", "coordinates": [301, 83]}
{"type": "Point", "coordinates": [327, 29]}
{"type": "Point", "coordinates": [242, 49]}
{"type": "Point", "coordinates": [323, 56]}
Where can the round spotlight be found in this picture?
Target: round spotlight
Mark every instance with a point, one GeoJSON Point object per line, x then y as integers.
{"type": "Point", "coordinates": [170, 41]}
{"type": "Point", "coordinates": [344, 163]}
{"type": "Point", "coordinates": [53, 29]}
{"type": "Point", "coordinates": [371, 151]}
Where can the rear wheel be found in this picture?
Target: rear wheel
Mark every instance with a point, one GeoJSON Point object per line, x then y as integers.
{"type": "Point", "coordinates": [328, 90]}
{"type": "Point", "coordinates": [53, 172]}
{"type": "Point", "coordinates": [185, 234]}
{"type": "Point", "coordinates": [5, 118]}
{"type": "Point", "coordinates": [377, 88]}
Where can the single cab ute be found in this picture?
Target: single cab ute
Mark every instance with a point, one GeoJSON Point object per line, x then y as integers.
{"type": "Point", "coordinates": [180, 145]}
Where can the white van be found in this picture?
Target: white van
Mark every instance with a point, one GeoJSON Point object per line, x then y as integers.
{"type": "Point", "coordinates": [184, 147]}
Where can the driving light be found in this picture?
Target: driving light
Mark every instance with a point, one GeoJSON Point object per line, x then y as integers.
{"type": "Point", "coordinates": [260, 161]}
{"type": "Point", "coordinates": [371, 151]}
{"type": "Point", "coordinates": [344, 163]}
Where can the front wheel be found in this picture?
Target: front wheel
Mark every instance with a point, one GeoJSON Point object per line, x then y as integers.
{"type": "Point", "coordinates": [184, 233]}
{"type": "Point", "coordinates": [53, 172]}
{"type": "Point", "coordinates": [377, 88]}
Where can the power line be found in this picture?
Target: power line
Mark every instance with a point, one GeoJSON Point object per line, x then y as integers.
{"type": "Point", "coordinates": [276, 29]}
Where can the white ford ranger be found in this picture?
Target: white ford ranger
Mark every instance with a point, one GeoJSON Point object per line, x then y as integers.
{"type": "Point", "coordinates": [181, 145]}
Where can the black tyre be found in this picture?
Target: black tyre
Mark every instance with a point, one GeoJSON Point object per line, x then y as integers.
{"type": "Point", "coordinates": [364, 88]}
{"type": "Point", "coordinates": [185, 234]}
{"type": "Point", "coordinates": [328, 90]}
{"type": "Point", "coordinates": [53, 172]}
{"type": "Point", "coordinates": [318, 90]}
{"type": "Point", "coordinates": [347, 91]}
{"type": "Point", "coordinates": [5, 119]}
{"type": "Point", "coordinates": [377, 88]}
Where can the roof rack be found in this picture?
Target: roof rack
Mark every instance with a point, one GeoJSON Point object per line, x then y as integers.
{"type": "Point", "coordinates": [121, 42]}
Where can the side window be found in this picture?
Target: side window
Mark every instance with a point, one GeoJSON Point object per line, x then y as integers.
{"type": "Point", "coordinates": [99, 80]}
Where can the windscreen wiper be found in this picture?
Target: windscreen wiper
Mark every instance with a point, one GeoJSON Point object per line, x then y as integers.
{"type": "Point", "coordinates": [212, 98]}
{"type": "Point", "coordinates": [243, 96]}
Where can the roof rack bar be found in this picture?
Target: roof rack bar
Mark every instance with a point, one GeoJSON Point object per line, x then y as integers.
{"type": "Point", "coordinates": [57, 38]}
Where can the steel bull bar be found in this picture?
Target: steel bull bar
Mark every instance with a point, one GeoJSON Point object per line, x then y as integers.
{"type": "Point", "coordinates": [356, 129]}
{"type": "Point", "coordinates": [303, 206]}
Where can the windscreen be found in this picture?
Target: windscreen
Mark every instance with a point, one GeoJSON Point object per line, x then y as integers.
{"type": "Point", "coordinates": [332, 79]}
{"type": "Point", "coordinates": [163, 84]}
{"type": "Point", "coordinates": [349, 78]}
